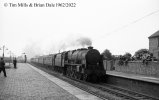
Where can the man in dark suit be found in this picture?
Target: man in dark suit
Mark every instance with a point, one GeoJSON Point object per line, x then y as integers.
{"type": "Point", "coordinates": [2, 67]}
{"type": "Point", "coordinates": [15, 63]}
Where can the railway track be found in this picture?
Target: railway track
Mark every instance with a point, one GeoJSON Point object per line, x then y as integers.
{"type": "Point", "coordinates": [119, 92]}
{"type": "Point", "coordinates": [102, 90]}
{"type": "Point", "coordinates": [125, 94]}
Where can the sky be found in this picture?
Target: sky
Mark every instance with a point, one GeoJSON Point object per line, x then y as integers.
{"type": "Point", "coordinates": [117, 25]}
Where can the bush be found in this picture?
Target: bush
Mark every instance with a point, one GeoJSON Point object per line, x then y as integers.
{"type": "Point", "coordinates": [140, 53]}
{"type": "Point", "coordinates": [107, 54]}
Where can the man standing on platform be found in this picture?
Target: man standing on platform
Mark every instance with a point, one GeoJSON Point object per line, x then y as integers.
{"type": "Point", "coordinates": [2, 67]}
{"type": "Point", "coordinates": [15, 63]}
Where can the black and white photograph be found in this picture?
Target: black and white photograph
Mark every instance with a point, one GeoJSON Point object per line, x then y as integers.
{"type": "Point", "coordinates": [79, 49]}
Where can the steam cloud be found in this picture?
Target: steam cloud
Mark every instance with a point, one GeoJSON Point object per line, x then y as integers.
{"type": "Point", "coordinates": [75, 43]}
{"type": "Point", "coordinates": [33, 49]}
{"type": "Point", "coordinates": [49, 47]}
{"type": "Point", "coordinates": [84, 41]}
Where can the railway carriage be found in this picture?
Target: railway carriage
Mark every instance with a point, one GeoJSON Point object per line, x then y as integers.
{"type": "Point", "coordinates": [49, 60]}
{"type": "Point", "coordinates": [41, 60]}
{"type": "Point", "coordinates": [35, 60]}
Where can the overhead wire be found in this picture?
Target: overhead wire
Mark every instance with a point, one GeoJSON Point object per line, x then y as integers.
{"type": "Point", "coordinates": [133, 22]}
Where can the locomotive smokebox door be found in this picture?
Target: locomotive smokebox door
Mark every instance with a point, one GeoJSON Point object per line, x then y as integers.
{"type": "Point", "coordinates": [92, 56]}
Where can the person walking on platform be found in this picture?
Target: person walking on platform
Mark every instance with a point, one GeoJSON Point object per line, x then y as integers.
{"type": "Point", "coordinates": [2, 67]}
{"type": "Point", "coordinates": [15, 63]}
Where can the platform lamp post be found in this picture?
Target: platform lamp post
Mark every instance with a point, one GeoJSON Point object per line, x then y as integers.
{"type": "Point", "coordinates": [13, 55]}
{"type": "Point", "coordinates": [10, 57]}
{"type": "Point", "coordinates": [25, 57]}
{"type": "Point", "coordinates": [4, 48]}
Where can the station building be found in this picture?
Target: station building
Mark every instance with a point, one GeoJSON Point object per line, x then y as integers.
{"type": "Point", "coordinates": [154, 44]}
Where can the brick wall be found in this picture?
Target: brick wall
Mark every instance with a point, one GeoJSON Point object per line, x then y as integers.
{"type": "Point", "coordinates": [153, 47]}
{"type": "Point", "coordinates": [153, 43]}
{"type": "Point", "coordinates": [152, 69]}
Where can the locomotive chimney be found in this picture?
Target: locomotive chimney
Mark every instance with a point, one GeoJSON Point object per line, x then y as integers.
{"type": "Point", "coordinates": [90, 47]}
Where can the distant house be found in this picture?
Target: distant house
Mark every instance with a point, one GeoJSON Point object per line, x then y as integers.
{"type": "Point", "coordinates": [154, 44]}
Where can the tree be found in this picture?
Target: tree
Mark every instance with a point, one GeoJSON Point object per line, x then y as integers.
{"type": "Point", "coordinates": [141, 52]}
{"type": "Point", "coordinates": [107, 54]}
{"type": "Point", "coordinates": [127, 55]}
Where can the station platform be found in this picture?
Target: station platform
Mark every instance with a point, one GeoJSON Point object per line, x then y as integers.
{"type": "Point", "coordinates": [134, 76]}
{"type": "Point", "coordinates": [138, 83]}
{"type": "Point", "coordinates": [29, 83]}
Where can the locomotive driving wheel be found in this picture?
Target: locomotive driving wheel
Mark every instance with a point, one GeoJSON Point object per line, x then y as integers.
{"type": "Point", "coordinates": [78, 76]}
{"type": "Point", "coordinates": [72, 74]}
{"type": "Point", "coordinates": [85, 77]}
{"type": "Point", "coordinates": [75, 75]}
{"type": "Point", "coordinates": [67, 73]}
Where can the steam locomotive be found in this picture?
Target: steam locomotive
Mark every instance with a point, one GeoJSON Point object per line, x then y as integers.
{"type": "Point", "coordinates": [83, 64]}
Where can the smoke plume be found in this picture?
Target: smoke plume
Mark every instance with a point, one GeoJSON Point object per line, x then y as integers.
{"type": "Point", "coordinates": [33, 49]}
{"type": "Point", "coordinates": [74, 43]}
{"type": "Point", "coordinates": [37, 48]}
{"type": "Point", "coordinates": [84, 41]}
